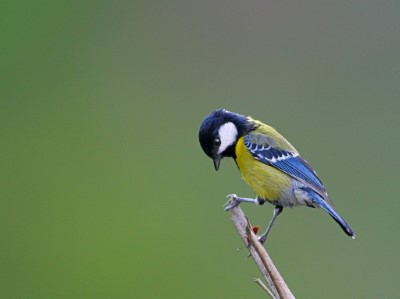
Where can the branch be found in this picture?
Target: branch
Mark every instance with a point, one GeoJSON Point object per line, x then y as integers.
{"type": "Point", "coordinates": [262, 285]}
{"type": "Point", "coordinates": [260, 255]}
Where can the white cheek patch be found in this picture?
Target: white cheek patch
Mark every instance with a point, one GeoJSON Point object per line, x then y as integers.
{"type": "Point", "coordinates": [228, 134]}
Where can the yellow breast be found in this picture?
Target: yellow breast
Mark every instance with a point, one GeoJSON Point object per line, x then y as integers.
{"type": "Point", "coordinates": [266, 181]}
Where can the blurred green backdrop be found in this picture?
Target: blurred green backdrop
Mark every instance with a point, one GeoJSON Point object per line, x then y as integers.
{"type": "Point", "coordinates": [105, 192]}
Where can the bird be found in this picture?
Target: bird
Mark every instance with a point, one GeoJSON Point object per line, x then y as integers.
{"type": "Point", "coordinates": [268, 163]}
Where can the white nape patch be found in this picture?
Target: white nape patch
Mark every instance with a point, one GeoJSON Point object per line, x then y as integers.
{"type": "Point", "coordinates": [227, 133]}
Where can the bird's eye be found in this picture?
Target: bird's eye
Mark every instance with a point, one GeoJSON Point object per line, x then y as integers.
{"type": "Point", "coordinates": [217, 142]}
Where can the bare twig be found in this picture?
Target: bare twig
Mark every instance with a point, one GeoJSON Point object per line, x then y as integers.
{"type": "Point", "coordinates": [260, 255]}
{"type": "Point", "coordinates": [263, 286]}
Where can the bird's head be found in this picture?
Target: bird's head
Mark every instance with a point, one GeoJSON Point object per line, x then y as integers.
{"type": "Point", "coordinates": [219, 133]}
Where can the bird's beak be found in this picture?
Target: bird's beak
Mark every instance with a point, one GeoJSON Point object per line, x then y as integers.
{"type": "Point", "coordinates": [217, 159]}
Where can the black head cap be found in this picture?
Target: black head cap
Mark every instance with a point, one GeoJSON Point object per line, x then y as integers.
{"type": "Point", "coordinates": [219, 132]}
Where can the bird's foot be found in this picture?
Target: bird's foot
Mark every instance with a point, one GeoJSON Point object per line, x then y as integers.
{"type": "Point", "coordinates": [232, 202]}
{"type": "Point", "coordinates": [262, 238]}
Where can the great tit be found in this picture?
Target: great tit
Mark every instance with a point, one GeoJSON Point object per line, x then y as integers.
{"type": "Point", "coordinates": [269, 164]}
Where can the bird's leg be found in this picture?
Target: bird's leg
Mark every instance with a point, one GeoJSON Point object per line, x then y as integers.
{"type": "Point", "coordinates": [235, 200]}
{"type": "Point", "coordinates": [277, 211]}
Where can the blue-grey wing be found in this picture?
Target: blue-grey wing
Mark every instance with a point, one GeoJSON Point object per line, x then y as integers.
{"type": "Point", "coordinates": [263, 150]}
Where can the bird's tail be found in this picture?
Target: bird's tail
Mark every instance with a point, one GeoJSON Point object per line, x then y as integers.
{"type": "Point", "coordinates": [322, 203]}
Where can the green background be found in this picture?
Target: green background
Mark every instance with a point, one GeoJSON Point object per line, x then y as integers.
{"type": "Point", "coordinates": [105, 191]}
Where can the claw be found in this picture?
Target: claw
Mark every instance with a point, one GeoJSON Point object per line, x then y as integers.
{"type": "Point", "coordinates": [261, 239]}
{"type": "Point", "coordinates": [231, 196]}
{"type": "Point", "coordinates": [231, 203]}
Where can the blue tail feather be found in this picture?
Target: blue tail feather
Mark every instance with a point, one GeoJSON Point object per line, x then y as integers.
{"type": "Point", "coordinates": [322, 203]}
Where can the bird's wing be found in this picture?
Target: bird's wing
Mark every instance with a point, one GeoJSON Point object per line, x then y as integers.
{"type": "Point", "coordinates": [265, 149]}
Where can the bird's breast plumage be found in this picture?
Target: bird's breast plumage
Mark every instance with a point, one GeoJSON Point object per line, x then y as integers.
{"type": "Point", "coordinates": [266, 181]}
